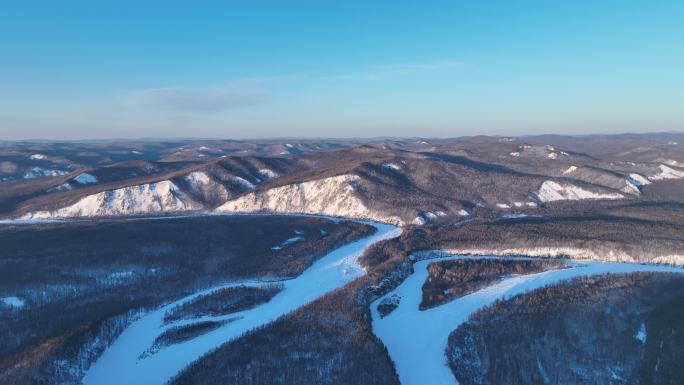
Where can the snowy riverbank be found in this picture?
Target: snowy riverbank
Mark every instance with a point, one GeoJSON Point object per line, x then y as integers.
{"type": "Point", "coordinates": [416, 340]}
{"type": "Point", "coordinates": [121, 362]}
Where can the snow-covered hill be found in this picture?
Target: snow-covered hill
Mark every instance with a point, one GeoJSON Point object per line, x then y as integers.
{"type": "Point", "coordinates": [328, 196]}
{"type": "Point", "coordinates": [149, 198]}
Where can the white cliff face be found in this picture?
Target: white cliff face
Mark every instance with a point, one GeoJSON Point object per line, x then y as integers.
{"type": "Point", "coordinates": [328, 196]}
{"type": "Point", "coordinates": [147, 198]}
{"type": "Point", "coordinates": [553, 191]}
{"type": "Point", "coordinates": [571, 252]}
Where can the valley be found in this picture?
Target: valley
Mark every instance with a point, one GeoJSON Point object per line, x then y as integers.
{"type": "Point", "coordinates": [234, 262]}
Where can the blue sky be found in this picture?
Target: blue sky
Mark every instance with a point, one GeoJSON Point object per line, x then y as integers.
{"type": "Point", "coordinates": [250, 69]}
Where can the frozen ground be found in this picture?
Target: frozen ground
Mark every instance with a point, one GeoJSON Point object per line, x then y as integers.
{"type": "Point", "coordinates": [416, 340]}
{"type": "Point", "coordinates": [120, 363]}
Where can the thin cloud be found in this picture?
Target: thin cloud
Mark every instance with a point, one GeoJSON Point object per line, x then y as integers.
{"type": "Point", "coordinates": [193, 99]}
{"type": "Point", "coordinates": [240, 93]}
{"type": "Point", "coordinates": [404, 70]}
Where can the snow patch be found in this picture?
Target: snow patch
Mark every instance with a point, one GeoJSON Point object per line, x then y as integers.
{"type": "Point", "coordinates": [463, 212]}
{"type": "Point", "coordinates": [61, 187]}
{"type": "Point", "coordinates": [552, 155]}
{"type": "Point", "coordinates": [267, 173]}
{"type": "Point", "coordinates": [503, 206]}
{"type": "Point", "coordinates": [287, 242]}
{"type": "Point", "coordinates": [243, 182]}
{"type": "Point", "coordinates": [85, 178]}
{"type": "Point", "coordinates": [641, 333]}
{"type": "Point", "coordinates": [38, 157]}
{"type": "Point", "coordinates": [514, 153]}
{"type": "Point", "coordinates": [13, 302]}
{"type": "Point", "coordinates": [424, 218]}
{"type": "Point", "coordinates": [667, 173]}
{"type": "Point", "coordinates": [551, 191]}
{"type": "Point", "coordinates": [37, 172]}
{"type": "Point", "coordinates": [638, 180]}
{"type": "Point", "coordinates": [391, 166]}
{"type": "Point", "coordinates": [570, 169]}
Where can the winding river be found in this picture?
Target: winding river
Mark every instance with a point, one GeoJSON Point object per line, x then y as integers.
{"type": "Point", "coordinates": [416, 340]}
{"type": "Point", "coordinates": [121, 363]}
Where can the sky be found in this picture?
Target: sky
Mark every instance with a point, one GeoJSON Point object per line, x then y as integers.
{"type": "Point", "coordinates": [256, 69]}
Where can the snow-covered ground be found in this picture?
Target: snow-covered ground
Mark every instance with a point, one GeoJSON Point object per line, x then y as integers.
{"type": "Point", "coordinates": [12, 301]}
{"type": "Point", "coordinates": [121, 362]}
{"type": "Point", "coordinates": [416, 339]}
{"type": "Point", "coordinates": [86, 178]}
{"type": "Point", "coordinates": [551, 191]}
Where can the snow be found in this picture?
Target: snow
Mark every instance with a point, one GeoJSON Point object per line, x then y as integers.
{"type": "Point", "coordinates": [147, 198]}
{"type": "Point", "coordinates": [243, 182]}
{"type": "Point", "coordinates": [38, 157]}
{"type": "Point", "coordinates": [288, 145]}
{"type": "Point", "coordinates": [463, 212]}
{"type": "Point", "coordinates": [552, 155]}
{"type": "Point", "coordinates": [86, 178]}
{"type": "Point", "coordinates": [514, 216]}
{"type": "Point", "coordinates": [391, 166]}
{"type": "Point", "coordinates": [503, 206]}
{"type": "Point", "coordinates": [570, 169]}
{"type": "Point", "coordinates": [287, 242]}
{"type": "Point", "coordinates": [571, 252]}
{"type": "Point", "coordinates": [61, 187]}
{"type": "Point", "coordinates": [327, 196]}
{"type": "Point", "coordinates": [631, 187]}
{"type": "Point", "coordinates": [514, 153]}
{"type": "Point", "coordinates": [441, 213]}
{"type": "Point", "coordinates": [518, 204]}
{"type": "Point", "coordinates": [531, 204]}
{"type": "Point", "coordinates": [136, 152]}
{"type": "Point", "coordinates": [416, 339]}
{"type": "Point", "coordinates": [424, 218]}
{"type": "Point", "coordinates": [638, 180]}
{"type": "Point", "coordinates": [196, 179]}
{"type": "Point", "coordinates": [121, 275]}
{"type": "Point", "coordinates": [37, 172]}
{"type": "Point", "coordinates": [120, 363]}
{"type": "Point", "coordinates": [551, 191]}
{"type": "Point", "coordinates": [203, 148]}
{"type": "Point", "coordinates": [641, 334]}
{"type": "Point", "coordinates": [267, 173]}
{"type": "Point", "coordinates": [667, 173]}
{"type": "Point", "coordinates": [13, 301]}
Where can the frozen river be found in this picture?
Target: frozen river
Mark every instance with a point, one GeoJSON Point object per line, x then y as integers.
{"type": "Point", "coordinates": [121, 362]}
{"type": "Point", "coordinates": [416, 340]}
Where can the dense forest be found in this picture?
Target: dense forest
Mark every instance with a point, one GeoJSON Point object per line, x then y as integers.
{"type": "Point", "coordinates": [448, 280]}
{"type": "Point", "coordinates": [609, 329]}
{"type": "Point", "coordinates": [80, 294]}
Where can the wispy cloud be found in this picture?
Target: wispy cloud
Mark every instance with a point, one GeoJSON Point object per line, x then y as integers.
{"type": "Point", "coordinates": [394, 71]}
{"type": "Point", "coordinates": [240, 93]}
{"type": "Point", "coordinates": [182, 99]}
